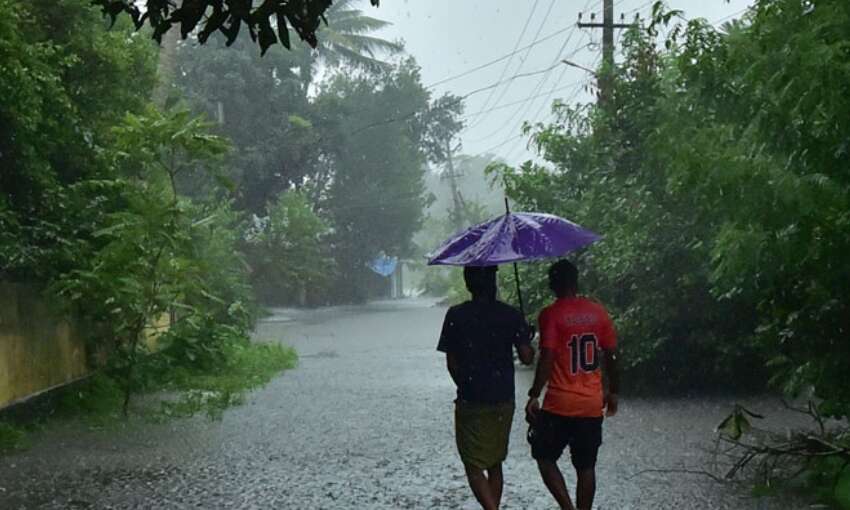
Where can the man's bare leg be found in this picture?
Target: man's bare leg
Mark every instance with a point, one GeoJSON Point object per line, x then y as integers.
{"type": "Point", "coordinates": [481, 488]}
{"type": "Point", "coordinates": [585, 488]}
{"type": "Point", "coordinates": [494, 478]}
{"type": "Point", "coordinates": [554, 481]}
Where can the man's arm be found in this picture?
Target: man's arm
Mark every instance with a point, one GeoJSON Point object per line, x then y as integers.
{"type": "Point", "coordinates": [454, 368]}
{"type": "Point", "coordinates": [525, 353]}
{"type": "Point", "coordinates": [448, 340]}
{"type": "Point", "coordinates": [612, 371]}
{"type": "Point", "coordinates": [541, 377]}
{"type": "Point", "coordinates": [525, 334]}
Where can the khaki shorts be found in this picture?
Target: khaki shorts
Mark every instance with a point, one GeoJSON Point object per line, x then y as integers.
{"type": "Point", "coordinates": [482, 432]}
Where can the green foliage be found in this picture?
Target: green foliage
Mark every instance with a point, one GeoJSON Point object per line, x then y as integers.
{"type": "Point", "coordinates": [160, 254]}
{"type": "Point", "coordinates": [288, 252]}
{"type": "Point", "coordinates": [354, 147]}
{"type": "Point", "coordinates": [841, 493]}
{"type": "Point", "coordinates": [715, 172]}
{"type": "Point", "coordinates": [11, 437]}
{"type": "Point", "coordinates": [267, 22]}
{"type": "Point", "coordinates": [91, 208]}
{"type": "Point", "coordinates": [442, 124]}
{"type": "Point", "coordinates": [444, 281]}
{"type": "Point", "coordinates": [827, 480]}
{"type": "Point", "coordinates": [347, 40]}
{"type": "Point", "coordinates": [261, 108]}
{"type": "Point", "coordinates": [376, 194]}
{"type": "Point", "coordinates": [737, 423]}
{"type": "Point", "coordinates": [247, 366]}
{"type": "Point", "coordinates": [98, 399]}
{"type": "Point", "coordinates": [65, 80]}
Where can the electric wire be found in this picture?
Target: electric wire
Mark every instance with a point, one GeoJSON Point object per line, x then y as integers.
{"type": "Point", "coordinates": [508, 63]}
{"type": "Point", "coordinates": [459, 99]}
{"type": "Point", "coordinates": [575, 93]}
{"type": "Point", "coordinates": [639, 7]}
{"type": "Point", "coordinates": [560, 56]}
{"type": "Point", "coordinates": [522, 59]}
{"type": "Point", "coordinates": [729, 17]}
{"type": "Point", "coordinates": [523, 100]}
{"type": "Point", "coordinates": [500, 59]}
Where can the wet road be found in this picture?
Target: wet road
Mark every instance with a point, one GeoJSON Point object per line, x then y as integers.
{"type": "Point", "coordinates": [364, 422]}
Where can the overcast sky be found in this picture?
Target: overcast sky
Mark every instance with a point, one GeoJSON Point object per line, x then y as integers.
{"type": "Point", "coordinates": [450, 37]}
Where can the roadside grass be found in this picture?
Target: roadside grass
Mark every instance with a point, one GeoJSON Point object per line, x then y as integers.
{"type": "Point", "coordinates": [248, 367]}
{"type": "Point", "coordinates": [12, 437]}
{"type": "Point", "coordinates": [97, 400]}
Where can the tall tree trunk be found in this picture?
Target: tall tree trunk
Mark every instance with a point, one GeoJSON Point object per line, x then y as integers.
{"type": "Point", "coordinates": [167, 63]}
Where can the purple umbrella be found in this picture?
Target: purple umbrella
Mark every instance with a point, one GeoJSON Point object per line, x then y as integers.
{"type": "Point", "coordinates": [513, 237]}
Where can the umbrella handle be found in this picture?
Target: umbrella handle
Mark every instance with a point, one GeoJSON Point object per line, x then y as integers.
{"type": "Point", "coordinates": [519, 290]}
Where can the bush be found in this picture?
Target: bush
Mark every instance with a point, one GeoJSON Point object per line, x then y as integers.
{"type": "Point", "coordinates": [11, 437]}
{"type": "Point", "coordinates": [244, 367]}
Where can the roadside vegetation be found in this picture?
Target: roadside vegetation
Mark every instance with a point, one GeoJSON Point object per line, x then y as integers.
{"type": "Point", "coordinates": [161, 196]}
{"type": "Point", "coordinates": [716, 168]}
{"type": "Point", "coordinates": [717, 172]}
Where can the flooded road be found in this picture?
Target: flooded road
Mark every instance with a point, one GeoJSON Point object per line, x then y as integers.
{"type": "Point", "coordinates": [364, 421]}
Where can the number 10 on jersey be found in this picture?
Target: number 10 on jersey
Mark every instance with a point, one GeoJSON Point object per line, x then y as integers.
{"type": "Point", "coordinates": [584, 353]}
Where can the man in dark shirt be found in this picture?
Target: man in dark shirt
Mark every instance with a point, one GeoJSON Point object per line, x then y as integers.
{"type": "Point", "coordinates": [478, 338]}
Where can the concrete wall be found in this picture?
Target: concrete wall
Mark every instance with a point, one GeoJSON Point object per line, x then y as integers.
{"type": "Point", "coordinates": [38, 350]}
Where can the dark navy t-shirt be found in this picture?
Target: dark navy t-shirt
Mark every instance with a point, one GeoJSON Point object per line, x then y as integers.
{"type": "Point", "coordinates": [482, 335]}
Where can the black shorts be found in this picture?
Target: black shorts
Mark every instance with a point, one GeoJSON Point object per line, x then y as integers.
{"type": "Point", "coordinates": [551, 433]}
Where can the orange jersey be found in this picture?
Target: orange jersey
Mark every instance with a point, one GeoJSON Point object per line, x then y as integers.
{"type": "Point", "coordinates": [577, 330]}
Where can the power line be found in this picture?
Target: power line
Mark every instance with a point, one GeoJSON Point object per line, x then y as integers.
{"type": "Point", "coordinates": [639, 7]}
{"type": "Point", "coordinates": [537, 88]}
{"type": "Point", "coordinates": [509, 140]}
{"type": "Point", "coordinates": [498, 145]}
{"type": "Point", "coordinates": [458, 99]}
{"type": "Point", "coordinates": [519, 40]}
{"type": "Point", "coordinates": [500, 59]}
{"type": "Point", "coordinates": [540, 110]}
{"type": "Point", "coordinates": [523, 100]}
{"type": "Point", "coordinates": [726, 18]}
{"type": "Point", "coordinates": [559, 56]}
{"type": "Point", "coordinates": [524, 58]}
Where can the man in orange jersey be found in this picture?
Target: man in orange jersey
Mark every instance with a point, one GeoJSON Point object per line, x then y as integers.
{"type": "Point", "coordinates": [575, 334]}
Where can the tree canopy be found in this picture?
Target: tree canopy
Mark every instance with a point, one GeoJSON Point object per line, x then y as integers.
{"type": "Point", "coordinates": [717, 172]}
{"type": "Point", "coordinates": [267, 21]}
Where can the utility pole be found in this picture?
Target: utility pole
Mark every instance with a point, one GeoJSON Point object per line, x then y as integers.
{"type": "Point", "coordinates": [607, 27]}
{"type": "Point", "coordinates": [452, 176]}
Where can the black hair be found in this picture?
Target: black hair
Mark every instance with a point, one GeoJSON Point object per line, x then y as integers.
{"type": "Point", "coordinates": [563, 278]}
{"type": "Point", "coordinates": [481, 281]}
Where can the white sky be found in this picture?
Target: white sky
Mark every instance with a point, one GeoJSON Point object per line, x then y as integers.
{"type": "Point", "coordinates": [448, 37]}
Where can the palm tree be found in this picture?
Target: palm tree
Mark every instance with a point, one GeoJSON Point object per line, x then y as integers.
{"type": "Point", "coordinates": [345, 40]}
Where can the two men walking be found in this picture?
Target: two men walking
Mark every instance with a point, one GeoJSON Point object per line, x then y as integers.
{"type": "Point", "coordinates": [577, 339]}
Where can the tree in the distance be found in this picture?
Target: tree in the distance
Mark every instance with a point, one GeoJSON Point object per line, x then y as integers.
{"type": "Point", "coordinates": [375, 196]}
{"type": "Point", "coordinates": [260, 105]}
{"type": "Point", "coordinates": [346, 40]}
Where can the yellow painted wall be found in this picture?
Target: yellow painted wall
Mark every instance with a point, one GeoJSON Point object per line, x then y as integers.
{"type": "Point", "coordinates": [156, 330]}
{"type": "Point", "coordinates": [39, 350]}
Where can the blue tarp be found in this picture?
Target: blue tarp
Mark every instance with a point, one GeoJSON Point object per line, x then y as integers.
{"type": "Point", "coordinates": [383, 265]}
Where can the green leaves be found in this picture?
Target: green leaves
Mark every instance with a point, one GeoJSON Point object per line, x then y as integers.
{"type": "Point", "coordinates": [737, 424]}
{"type": "Point", "coordinates": [717, 177]}
{"type": "Point", "coordinates": [289, 250]}
{"type": "Point", "coordinates": [210, 16]}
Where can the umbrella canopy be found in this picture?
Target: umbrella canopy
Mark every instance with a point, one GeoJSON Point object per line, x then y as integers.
{"type": "Point", "coordinates": [512, 238]}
